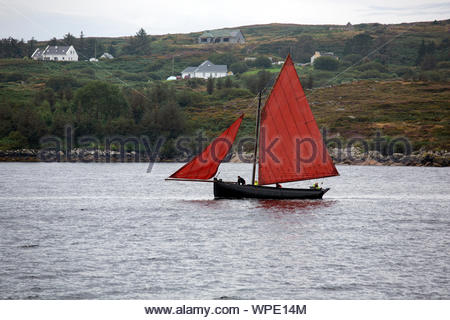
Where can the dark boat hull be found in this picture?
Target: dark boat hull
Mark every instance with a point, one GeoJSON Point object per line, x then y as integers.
{"type": "Point", "coordinates": [231, 190]}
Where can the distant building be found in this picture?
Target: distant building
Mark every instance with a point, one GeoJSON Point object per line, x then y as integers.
{"type": "Point", "coordinates": [206, 70]}
{"type": "Point", "coordinates": [317, 54]}
{"type": "Point", "coordinates": [106, 56]}
{"type": "Point", "coordinates": [56, 53]}
{"type": "Point", "coordinates": [347, 27]}
{"type": "Point", "coordinates": [222, 36]}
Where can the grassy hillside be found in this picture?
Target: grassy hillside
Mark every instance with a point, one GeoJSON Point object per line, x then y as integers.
{"type": "Point", "coordinates": [393, 78]}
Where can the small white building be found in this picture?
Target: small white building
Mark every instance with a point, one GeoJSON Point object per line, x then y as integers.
{"type": "Point", "coordinates": [205, 71]}
{"type": "Point", "coordinates": [107, 56]}
{"type": "Point", "coordinates": [317, 54]}
{"type": "Point", "coordinates": [56, 53]}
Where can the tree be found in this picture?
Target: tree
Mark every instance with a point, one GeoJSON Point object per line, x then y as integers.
{"type": "Point", "coordinates": [12, 48]}
{"type": "Point", "coordinates": [100, 101]}
{"type": "Point", "coordinates": [258, 82]}
{"type": "Point", "coordinates": [224, 58]}
{"type": "Point", "coordinates": [262, 62]}
{"type": "Point", "coordinates": [112, 50]}
{"type": "Point", "coordinates": [219, 84]}
{"type": "Point", "coordinates": [309, 82]}
{"type": "Point", "coordinates": [428, 62]}
{"type": "Point", "coordinates": [172, 122]}
{"type": "Point", "coordinates": [228, 82]}
{"type": "Point", "coordinates": [69, 39]}
{"type": "Point", "coordinates": [238, 67]}
{"type": "Point", "coordinates": [303, 49]}
{"type": "Point", "coordinates": [138, 44]}
{"type": "Point", "coordinates": [53, 42]}
{"type": "Point", "coordinates": [359, 44]}
{"type": "Point", "coordinates": [81, 46]}
{"type": "Point", "coordinates": [31, 46]}
{"type": "Point", "coordinates": [30, 124]}
{"type": "Point", "coordinates": [326, 63]}
{"type": "Point", "coordinates": [15, 140]}
{"type": "Point", "coordinates": [210, 86]}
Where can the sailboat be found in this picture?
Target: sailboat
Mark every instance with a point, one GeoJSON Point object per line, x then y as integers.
{"type": "Point", "coordinates": [289, 147]}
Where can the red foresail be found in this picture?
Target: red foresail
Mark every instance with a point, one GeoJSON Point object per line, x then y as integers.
{"type": "Point", "coordinates": [204, 166]}
{"type": "Point", "coordinates": [290, 144]}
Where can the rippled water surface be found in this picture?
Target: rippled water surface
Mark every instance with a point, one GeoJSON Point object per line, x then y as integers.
{"type": "Point", "coordinates": [112, 231]}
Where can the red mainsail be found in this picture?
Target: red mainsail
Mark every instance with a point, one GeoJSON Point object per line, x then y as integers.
{"type": "Point", "coordinates": [204, 166]}
{"type": "Point", "coordinates": [291, 147]}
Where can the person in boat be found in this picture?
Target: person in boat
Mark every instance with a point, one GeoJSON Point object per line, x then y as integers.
{"type": "Point", "coordinates": [241, 181]}
{"type": "Point", "coordinates": [278, 185]}
{"type": "Point", "coordinates": [315, 186]}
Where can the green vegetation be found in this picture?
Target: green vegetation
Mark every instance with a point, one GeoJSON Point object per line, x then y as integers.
{"type": "Point", "coordinates": [393, 78]}
{"type": "Point", "coordinates": [326, 63]}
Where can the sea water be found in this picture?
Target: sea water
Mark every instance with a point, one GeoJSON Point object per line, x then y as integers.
{"type": "Point", "coordinates": [114, 231]}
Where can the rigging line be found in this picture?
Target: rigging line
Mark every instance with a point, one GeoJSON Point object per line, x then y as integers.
{"type": "Point", "coordinates": [261, 137]}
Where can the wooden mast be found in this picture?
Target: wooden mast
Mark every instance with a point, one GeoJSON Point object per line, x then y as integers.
{"type": "Point", "coordinates": [258, 115]}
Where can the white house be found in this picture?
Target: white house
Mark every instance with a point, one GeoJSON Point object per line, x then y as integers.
{"type": "Point", "coordinates": [317, 54]}
{"type": "Point", "coordinates": [222, 36]}
{"type": "Point", "coordinates": [56, 53]}
{"type": "Point", "coordinates": [206, 70]}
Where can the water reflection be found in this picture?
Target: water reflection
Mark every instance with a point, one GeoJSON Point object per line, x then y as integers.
{"type": "Point", "coordinates": [294, 206]}
{"type": "Point", "coordinates": [274, 206]}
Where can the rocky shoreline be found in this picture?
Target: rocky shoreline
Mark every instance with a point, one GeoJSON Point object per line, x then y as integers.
{"type": "Point", "coordinates": [352, 156]}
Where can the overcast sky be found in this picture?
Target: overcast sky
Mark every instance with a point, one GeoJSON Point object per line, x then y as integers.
{"type": "Point", "coordinates": [45, 19]}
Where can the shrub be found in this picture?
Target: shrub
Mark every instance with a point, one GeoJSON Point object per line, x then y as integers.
{"type": "Point", "coordinates": [13, 77]}
{"type": "Point", "coordinates": [374, 74]}
{"type": "Point", "coordinates": [258, 82]}
{"type": "Point", "coordinates": [232, 93]}
{"type": "Point", "coordinates": [352, 58]}
{"type": "Point", "coordinates": [428, 62]}
{"type": "Point", "coordinates": [430, 76]}
{"type": "Point", "coordinates": [443, 65]}
{"type": "Point", "coordinates": [239, 67]}
{"type": "Point", "coordinates": [372, 66]}
{"type": "Point", "coordinates": [195, 82]}
{"type": "Point", "coordinates": [262, 62]}
{"type": "Point", "coordinates": [224, 58]}
{"type": "Point", "coordinates": [326, 63]}
{"type": "Point", "coordinates": [189, 98]}
{"type": "Point", "coordinates": [15, 140]}
{"type": "Point", "coordinates": [59, 83]}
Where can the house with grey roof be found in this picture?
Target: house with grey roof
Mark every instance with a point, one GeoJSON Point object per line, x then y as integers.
{"type": "Point", "coordinates": [56, 53]}
{"type": "Point", "coordinates": [222, 36]}
{"type": "Point", "coordinates": [205, 71]}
